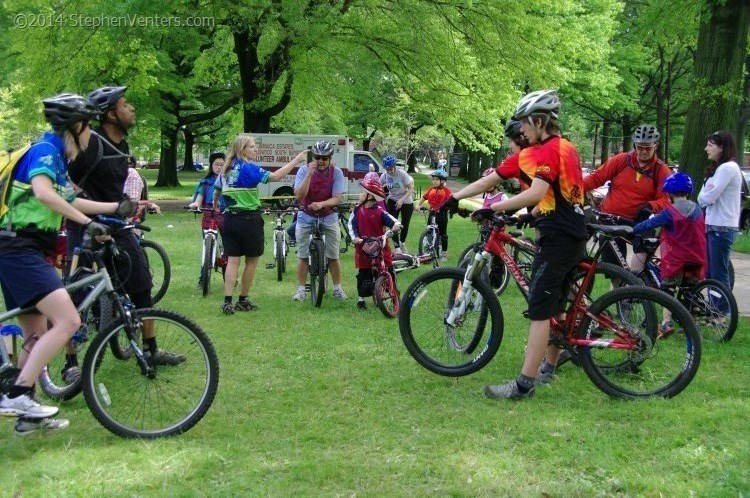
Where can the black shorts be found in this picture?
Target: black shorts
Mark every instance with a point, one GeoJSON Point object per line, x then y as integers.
{"type": "Point", "coordinates": [557, 255]}
{"type": "Point", "coordinates": [243, 234]}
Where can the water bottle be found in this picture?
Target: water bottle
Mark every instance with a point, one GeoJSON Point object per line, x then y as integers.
{"type": "Point", "coordinates": [11, 330]}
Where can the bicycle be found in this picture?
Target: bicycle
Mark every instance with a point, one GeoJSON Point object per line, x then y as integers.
{"type": "Point", "coordinates": [343, 212]}
{"type": "Point", "coordinates": [429, 241]}
{"type": "Point", "coordinates": [451, 322]}
{"type": "Point", "coordinates": [213, 258]}
{"type": "Point", "coordinates": [133, 396]}
{"type": "Point", "coordinates": [385, 293]}
{"type": "Point", "coordinates": [318, 264]}
{"type": "Point", "coordinates": [711, 302]}
{"type": "Point", "coordinates": [498, 275]}
{"type": "Point", "coordinates": [280, 244]}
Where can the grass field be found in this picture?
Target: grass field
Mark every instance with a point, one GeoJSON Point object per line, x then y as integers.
{"type": "Point", "coordinates": [327, 402]}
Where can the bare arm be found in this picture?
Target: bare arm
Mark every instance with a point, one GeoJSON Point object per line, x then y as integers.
{"type": "Point", "coordinates": [482, 185]}
{"type": "Point", "coordinates": [301, 191]}
{"type": "Point", "coordinates": [280, 173]}
{"type": "Point", "coordinates": [43, 190]}
{"type": "Point", "coordinates": [529, 197]}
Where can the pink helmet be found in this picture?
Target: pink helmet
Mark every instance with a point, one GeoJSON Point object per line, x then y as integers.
{"type": "Point", "coordinates": [373, 186]}
{"type": "Point", "coordinates": [371, 176]}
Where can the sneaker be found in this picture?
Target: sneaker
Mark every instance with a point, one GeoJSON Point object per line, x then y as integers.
{"type": "Point", "coordinates": [509, 390]}
{"type": "Point", "coordinates": [24, 405]}
{"type": "Point", "coordinates": [340, 294]}
{"type": "Point", "coordinates": [26, 425]}
{"type": "Point", "coordinates": [564, 357]}
{"type": "Point", "coordinates": [300, 295]}
{"type": "Point", "coordinates": [665, 330]}
{"type": "Point", "coordinates": [245, 305]}
{"type": "Point", "coordinates": [166, 358]}
{"type": "Point", "coordinates": [545, 377]}
{"type": "Point", "coordinates": [362, 305]}
{"type": "Point", "coordinates": [398, 250]}
{"type": "Point", "coordinates": [444, 256]}
{"type": "Point", "coordinates": [71, 374]}
{"type": "Point", "coordinates": [227, 308]}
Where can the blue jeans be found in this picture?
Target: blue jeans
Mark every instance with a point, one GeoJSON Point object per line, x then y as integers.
{"type": "Point", "coordinates": [719, 246]}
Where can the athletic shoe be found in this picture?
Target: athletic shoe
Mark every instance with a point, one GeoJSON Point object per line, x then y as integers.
{"type": "Point", "coordinates": [71, 374]}
{"type": "Point", "coordinates": [340, 294]}
{"type": "Point", "coordinates": [398, 250]}
{"type": "Point", "coordinates": [666, 329]}
{"type": "Point", "coordinates": [24, 405]}
{"type": "Point", "coordinates": [564, 357]}
{"type": "Point", "coordinates": [362, 305]}
{"type": "Point", "coordinates": [300, 295]}
{"type": "Point", "coordinates": [509, 390]}
{"type": "Point", "coordinates": [166, 358]}
{"type": "Point", "coordinates": [227, 309]}
{"type": "Point", "coordinates": [26, 426]}
{"type": "Point", "coordinates": [245, 305]}
{"type": "Point", "coordinates": [444, 256]}
{"type": "Point", "coordinates": [545, 377]}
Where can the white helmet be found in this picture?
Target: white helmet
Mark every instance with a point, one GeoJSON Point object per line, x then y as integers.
{"type": "Point", "coordinates": [646, 134]}
{"type": "Point", "coordinates": [541, 101]}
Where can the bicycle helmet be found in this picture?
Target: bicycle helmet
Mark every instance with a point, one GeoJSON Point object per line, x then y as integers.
{"type": "Point", "coordinates": [373, 186]}
{"type": "Point", "coordinates": [106, 97]}
{"type": "Point", "coordinates": [440, 173]}
{"type": "Point", "coordinates": [389, 161]}
{"type": "Point", "coordinates": [371, 176]}
{"type": "Point", "coordinates": [678, 183]}
{"type": "Point", "coordinates": [541, 101]}
{"type": "Point", "coordinates": [513, 128]}
{"type": "Point", "coordinates": [646, 134]}
{"type": "Point", "coordinates": [66, 109]}
{"type": "Point", "coordinates": [322, 148]}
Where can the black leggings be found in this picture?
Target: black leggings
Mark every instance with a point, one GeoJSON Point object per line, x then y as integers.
{"type": "Point", "coordinates": [441, 219]}
{"type": "Point", "coordinates": [406, 212]}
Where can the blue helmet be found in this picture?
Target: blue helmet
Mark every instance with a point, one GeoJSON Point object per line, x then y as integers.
{"type": "Point", "coordinates": [440, 173]}
{"type": "Point", "coordinates": [389, 161]}
{"type": "Point", "coordinates": [678, 183]}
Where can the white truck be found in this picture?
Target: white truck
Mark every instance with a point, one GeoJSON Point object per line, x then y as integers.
{"type": "Point", "coordinates": [277, 149]}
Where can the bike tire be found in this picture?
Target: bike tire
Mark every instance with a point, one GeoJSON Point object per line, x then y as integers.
{"type": "Point", "coordinates": [317, 272]}
{"type": "Point", "coordinates": [496, 274]}
{"type": "Point", "coordinates": [660, 367]}
{"type": "Point", "coordinates": [159, 267]}
{"type": "Point", "coordinates": [280, 256]}
{"type": "Point", "coordinates": [731, 275]}
{"type": "Point", "coordinates": [386, 296]}
{"type": "Point", "coordinates": [403, 262]}
{"type": "Point", "coordinates": [450, 351]}
{"type": "Point", "coordinates": [130, 404]}
{"type": "Point", "coordinates": [714, 308]}
{"type": "Point", "coordinates": [208, 264]}
{"type": "Point", "coordinates": [523, 258]}
{"type": "Point", "coordinates": [429, 244]}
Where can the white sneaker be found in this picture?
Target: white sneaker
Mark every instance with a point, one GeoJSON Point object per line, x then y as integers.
{"type": "Point", "coordinates": [26, 426]}
{"type": "Point", "coordinates": [444, 256]}
{"type": "Point", "coordinates": [340, 294]}
{"type": "Point", "coordinates": [300, 295]}
{"type": "Point", "coordinates": [25, 406]}
{"type": "Point", "coordinates": [398, 250]}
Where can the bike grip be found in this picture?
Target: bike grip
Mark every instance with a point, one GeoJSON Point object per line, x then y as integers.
{"type": "Point", "coordinates": [142, 227]}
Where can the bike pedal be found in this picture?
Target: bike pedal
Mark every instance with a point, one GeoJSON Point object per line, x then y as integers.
{"type": "Point", "coordinates": [270, 266]}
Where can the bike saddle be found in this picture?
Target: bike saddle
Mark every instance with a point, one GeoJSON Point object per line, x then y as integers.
{"type": "Point", "coordinates": [613, 230]}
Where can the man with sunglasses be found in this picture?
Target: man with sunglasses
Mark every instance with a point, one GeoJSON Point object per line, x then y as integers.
{"type": "Point", "coordinates": [318, 187]}
{"type": "Point", "coordinates": [635, 189]}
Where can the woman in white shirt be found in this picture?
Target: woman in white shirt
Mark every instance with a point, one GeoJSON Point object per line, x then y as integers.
{"type": "Point", "coordinates": [720, 196]}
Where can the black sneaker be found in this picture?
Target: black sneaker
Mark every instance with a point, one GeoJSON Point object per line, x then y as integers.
{"type": "Point", "coordinates": [26, 426]}
{"type": "Point", "coordinates": [245, 305]}
{"type": "Point", "coordinates": [362, 305]}
{"type": "Point", "coordinates": [227, 308]}
{"type": "Point", "coordinates": [166, 358]}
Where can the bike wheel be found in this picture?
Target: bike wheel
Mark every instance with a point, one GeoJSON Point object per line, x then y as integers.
{"type": "Point", "coordinates": [460, 349]}
{"type": "Point", "coordinates": [208, 264]}
{"type": "Point", "coordinates": [386, 296]}
{"type": "Point", "coordinates": [628, 360]}
{"type": "Point", "coordinates": [317, 272]}
{"type": "Point", "coordinates": [280, 259]}
{"type": "Point", "coordinates": [524, 258]}
{"type": "Point", "coordinates": [428, 244]}
{"type": "Point", "coordinates": [171, 399]}
{"type": "Point", "coordinates": [496, 274]}
{"type": "Point", "coordinates": [714, 308]}
{"type": "Point", "coordinates": [51, 380]}
{"type": "Point", "coordinates": [731, 275]}
{"type": "Point", "coordinates": [403, 262]}
{"type": "Point", "coordinates": [159, 267]}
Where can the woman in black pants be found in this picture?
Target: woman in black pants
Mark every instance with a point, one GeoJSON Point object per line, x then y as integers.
{"type": "Point", "coordinates": [400, 197]}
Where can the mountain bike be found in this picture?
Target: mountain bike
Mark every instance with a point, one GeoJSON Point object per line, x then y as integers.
{"type": "Point", "coordinates": [133, 396]}
{"type": "Point", "coordinates": [159, 267]}
{"type": "Point", "coordinates": [451, 322]}
{"type": "Point", "coordinates": [318, 264]}
{"type": "Point", "coordinates": [710, 301]}
{"type": "Point", "coordinates": [429, 241]}
{"type": "Point", "coordinates": [344, 211]}
{"type": "Point", "coordinates": [280, 244]}
{"type": "Point", "coordinates": [213, 258]}
{"type": "Point", "coordinates": [496, 274]}
{"type": "Point", "coordinates": [385, 293]}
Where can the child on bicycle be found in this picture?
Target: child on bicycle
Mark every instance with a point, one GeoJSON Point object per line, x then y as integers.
{"type": "Point", "coordinates": [203, 197]}
{"type": "Point", "coordinates": [370, 219]}
{"type": "Point", "coordinates": [435, 196]}
{"type": "Point", "coordinates": [39, 196]}
{"type": "Point", "coordinates": [683, 239]}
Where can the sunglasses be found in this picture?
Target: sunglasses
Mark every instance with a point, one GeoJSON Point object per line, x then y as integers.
{"type": "Point", "coordinates": [321, 158]}
{"type": "Point", "coordinates": [645, 147]}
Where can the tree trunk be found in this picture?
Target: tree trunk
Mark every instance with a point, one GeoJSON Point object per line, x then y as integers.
{"type": "Point", "coordinates": [596, 137]}
{"type": "Point", "coordinates": [719, 59]}
{"type": "Point", "coordinates": [744, 114]}
{"type": "Point", "coordinates": [627, 133]}
{"type": "Point", "coordinates": [411, 162]}
{"type": "Point", "coordinates": [168, 159]}
{"type": "Point", "coordinates": [189, 142]}
{"type": "Point", "coordinates": [606, 127]}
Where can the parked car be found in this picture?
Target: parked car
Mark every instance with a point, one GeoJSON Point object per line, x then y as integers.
{"type": "Point", "coordinates": [196, 167]}
{"type": "Point", "coordinates": [152, 164]}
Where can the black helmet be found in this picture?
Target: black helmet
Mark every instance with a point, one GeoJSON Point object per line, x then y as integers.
{"type": "Point", "coordinates": [65, 109]}
{"type": "Point", "coordinates": [513, 128]}
{"type": "Point", "coordinates": [106, 97]}
{"type": "Point", "coordinates": [646, 134]}
{"type": "Point", "coordinates": [322, 148]}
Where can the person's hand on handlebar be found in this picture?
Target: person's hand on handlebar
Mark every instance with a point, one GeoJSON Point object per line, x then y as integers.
{"type": "Point", "coordinates": [127, 207]}
{"type": "Point", "coordinates": [524, 220]}
{"type": "Point", "coordinates": [98, 231]}
{"type": "Point", "coordinates": [450, 205]}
